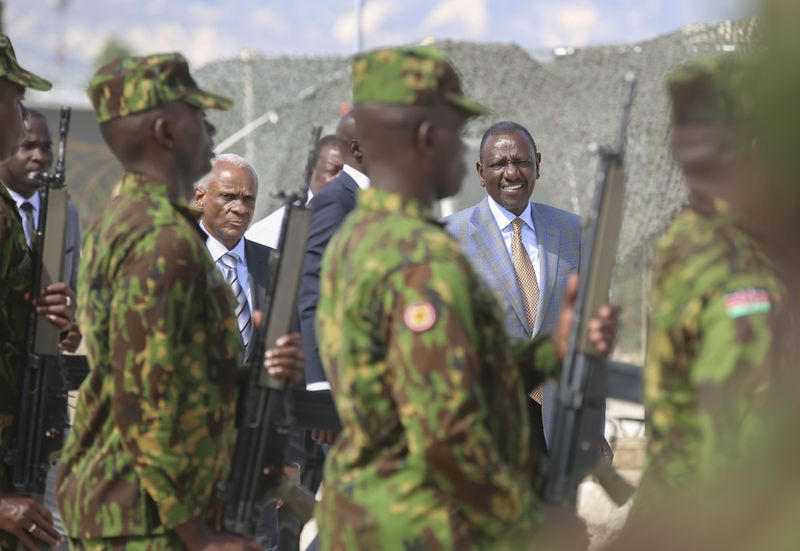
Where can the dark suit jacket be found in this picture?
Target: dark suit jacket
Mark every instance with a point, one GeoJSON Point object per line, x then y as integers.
{"type": "Point", "coordinates": [330, 207]}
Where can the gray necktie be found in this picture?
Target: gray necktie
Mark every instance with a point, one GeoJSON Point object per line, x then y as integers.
{"type": "Point", "coordinates": [243, 318]}
{"type": "Point", "coordinates": [27, 221]}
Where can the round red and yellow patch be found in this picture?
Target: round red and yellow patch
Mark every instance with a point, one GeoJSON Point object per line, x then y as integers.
{"type": "Point", "coordinates": [419, 316]}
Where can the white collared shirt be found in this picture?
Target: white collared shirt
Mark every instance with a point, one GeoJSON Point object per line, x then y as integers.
{"type": "Point", "coordinates": [504, 218]}
{"type": "Point", "coordinates": [35, 201]}
{"type": "Point", "coordinates": [361, 179]}
{"type": "Point", "coordinates": [267, 231]}
{"type": "Point", "coordinates": [217, 249]}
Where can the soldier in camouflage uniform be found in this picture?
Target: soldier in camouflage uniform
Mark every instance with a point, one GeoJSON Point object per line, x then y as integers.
{"type": "Point", "coordinates": [435, 450]}
{"type": "Point", "coordinates": [715, 290]}
{"type": "Point", "coordinates": [21, 518]}
{"type": "Point", "coordinates": [154, 425]}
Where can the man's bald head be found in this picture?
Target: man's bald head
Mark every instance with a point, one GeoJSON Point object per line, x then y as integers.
{"type": "Point", "coordinates": [349, 144]}
{"type": "Point", "coordinates": [228, 162]}
{"type": "Point", "coordinates": [227, 197]}
{"type": "Point", "coordinates": [130, 137]}
{"type": "Point", "coordinates": [414, 150]}
{"type": "Point", "coordinates": [171, 143]}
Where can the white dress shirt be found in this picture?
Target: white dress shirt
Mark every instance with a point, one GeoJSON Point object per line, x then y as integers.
{"type": "Point", "coordinates": [504, 218]}
{"type": "Point", "coordinates": [217, 249]}
{"type": "Point", "coordinates": [267, 231]}
{"type": "Point", "coordinates": [361, 179]}
{"type": "Point", "coordinates": [35, 201]}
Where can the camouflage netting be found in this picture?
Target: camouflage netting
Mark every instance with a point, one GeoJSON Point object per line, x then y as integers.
{"type": "Point", "coordinates": [566, 103]}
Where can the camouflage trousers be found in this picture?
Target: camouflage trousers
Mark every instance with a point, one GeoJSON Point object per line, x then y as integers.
{"type": "Point", "coordinates": [164, 542]}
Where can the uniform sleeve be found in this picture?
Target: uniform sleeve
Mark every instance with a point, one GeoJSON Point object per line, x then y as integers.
{"type": "Point", "coordinates": [696, 371]}
{"type": "Point", "coordinates": [438, 394]}
{"type": "Point", "coordinates": [538, 361]}
{"type": "Point", "coordinates": [151, 347]}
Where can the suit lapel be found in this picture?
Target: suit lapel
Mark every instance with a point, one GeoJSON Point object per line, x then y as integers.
{"type": "Point", "coordinates": [257, 273]}
{"type": "Point", "coordinates": [547, 236]}
{"type": "Point", "coordinates": [494, 257]}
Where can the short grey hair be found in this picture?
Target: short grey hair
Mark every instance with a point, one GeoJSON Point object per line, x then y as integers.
{"type": "Point", "coordinates": [228, 158]}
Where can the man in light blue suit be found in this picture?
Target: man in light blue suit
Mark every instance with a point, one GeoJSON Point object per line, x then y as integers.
{"type": "Point", "coordinates": [527, 263]}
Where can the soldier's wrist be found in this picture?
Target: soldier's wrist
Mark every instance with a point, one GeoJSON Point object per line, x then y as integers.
{"type": "Point", "coordinates": [194, 533]}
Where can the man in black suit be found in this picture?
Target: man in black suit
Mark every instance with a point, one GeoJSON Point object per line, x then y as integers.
{"type": "Point", "coordinates": [330, 207]}
{"type": "Point", "coordinates": [227, 197]}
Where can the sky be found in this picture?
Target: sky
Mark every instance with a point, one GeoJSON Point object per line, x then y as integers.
{"type": "Point", "coordinates": [61, 38]}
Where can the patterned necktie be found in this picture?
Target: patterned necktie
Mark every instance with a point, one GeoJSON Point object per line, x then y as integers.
{"type": "Point", "coordinates": [243, 318]}
{"type": "Point", "coordinates": [27, 220]}
{"type": "Point", "coordinates": [528, 285]}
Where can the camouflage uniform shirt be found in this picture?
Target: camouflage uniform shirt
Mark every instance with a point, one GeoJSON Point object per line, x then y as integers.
{"type": "Point", "coordinates": [154, 426]}
{"type": "Point", "coordinates": [710, 339]}
{"type": "Point", "coordinates": [434, 452]}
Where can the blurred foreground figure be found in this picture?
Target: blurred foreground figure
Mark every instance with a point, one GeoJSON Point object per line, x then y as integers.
{"type": "Point", "coordinates": [749, 501]}
{"type": "Point", "coordinates": [777, 86]}
{"type": "Point", "coordinates": [715, 291]}
{"type": "Point", "coordinates": [435, 450]}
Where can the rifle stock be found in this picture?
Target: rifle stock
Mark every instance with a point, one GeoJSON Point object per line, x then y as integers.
{"type": "Point", "coordinates": [576, 447]}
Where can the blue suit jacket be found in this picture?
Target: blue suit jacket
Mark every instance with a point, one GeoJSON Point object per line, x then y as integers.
{"type": "Point", "coordinates": [558, 233]}
{"type": "Point", "coordinates": [330, 207]}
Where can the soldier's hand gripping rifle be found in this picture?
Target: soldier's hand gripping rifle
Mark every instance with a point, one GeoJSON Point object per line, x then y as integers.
{"type": "Point", "coordinates": [42, 415]}
{"type": "Point", "coordinates": [577, 441]}
{"type": "Point", "coordinates": [257, 477]}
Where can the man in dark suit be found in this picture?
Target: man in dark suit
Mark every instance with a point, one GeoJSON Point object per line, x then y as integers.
{"type": "Point", "coordinates": [227, 196]}
{"type": "Point", "coordinates": [35, 154]}
{"type": "Point", "coordinates": [531, 282]}
{"type": "Point", "coordinates": [330, 208]}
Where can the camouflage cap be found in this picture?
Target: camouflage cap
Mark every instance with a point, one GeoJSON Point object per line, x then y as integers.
{"type": "Point", "coordinates": [135, 84]}
{"type": "Point", "coordinates": [712, 90]}
{"type": "Point", "coordinates": [10, 69]}
{"type": "Point", "coordinates": [409, 75]}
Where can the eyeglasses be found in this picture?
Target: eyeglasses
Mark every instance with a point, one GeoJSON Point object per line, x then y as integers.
{"type": "Point", "coordinates": [502, 165]}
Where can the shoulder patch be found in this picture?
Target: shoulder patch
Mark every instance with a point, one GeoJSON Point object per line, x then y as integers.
{"type": "Point", "coordinates": [419, 316]}
{"type": "Point", "coordinates": [746, 302]}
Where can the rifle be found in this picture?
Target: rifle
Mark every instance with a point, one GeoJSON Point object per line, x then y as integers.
{"type": "Point", "coordinates": [307, 410]}
{"type": "Point", "coordinates": [257, 476]}
{"type": "Point", "coordinates": [42, 416]}
{"type": "Point", "coordinates": [577, 432]}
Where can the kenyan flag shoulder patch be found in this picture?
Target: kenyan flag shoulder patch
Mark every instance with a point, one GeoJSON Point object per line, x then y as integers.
{"type": "Point", "coordinates": [746, 302]}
